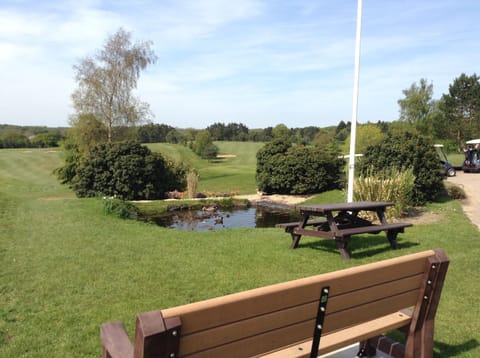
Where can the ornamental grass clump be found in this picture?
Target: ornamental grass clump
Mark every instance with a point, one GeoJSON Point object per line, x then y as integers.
{"type": "Point", "coordinates": [192, 183]}
{"type": "Point", "coordinates": [390, 184]}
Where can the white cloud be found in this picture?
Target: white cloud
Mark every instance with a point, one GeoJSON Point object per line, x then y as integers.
{"type": "Point", "coordinates": [255, 61]}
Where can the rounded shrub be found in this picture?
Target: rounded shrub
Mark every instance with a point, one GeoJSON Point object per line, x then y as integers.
{"type": "Point", "coordinates": [404, 151]}
{"type": "Point", "coordinates": [127, 171]}
{"type": "Point", "coordinates": [283, 168]}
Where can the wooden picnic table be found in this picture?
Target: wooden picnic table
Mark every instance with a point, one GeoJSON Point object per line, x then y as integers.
{"type": "Point", "coordinates": [339, 221]}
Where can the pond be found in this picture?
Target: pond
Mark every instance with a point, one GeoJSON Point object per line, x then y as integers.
{"type": "Point", "coordinates": [213, 219]}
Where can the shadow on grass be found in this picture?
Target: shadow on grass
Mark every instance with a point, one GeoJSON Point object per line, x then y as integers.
{"type": "Point", "coordinates": [360, 246]}
{"type": "Point", "coordinates": [449, 350]}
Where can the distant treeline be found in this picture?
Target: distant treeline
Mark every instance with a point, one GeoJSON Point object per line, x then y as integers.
{"type": "Point", "coordinates": [154, 133]}
{"type": "Point", "coordinates": [30, 136]}
{"type": "Point", "coordinates": [12, 136]}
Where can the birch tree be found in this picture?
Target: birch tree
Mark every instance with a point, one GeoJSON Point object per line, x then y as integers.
{"type": "Point", "coordinates": [107, 79]}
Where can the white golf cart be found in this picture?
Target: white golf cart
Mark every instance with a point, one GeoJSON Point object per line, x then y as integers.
{"type": "Point", "coordinates": [471, 164]}
{"type": "Point", "coordinates": [447, 167]}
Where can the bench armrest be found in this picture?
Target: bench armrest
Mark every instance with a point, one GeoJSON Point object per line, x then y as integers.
{"type": "Point", "coordinates": [115, 341]}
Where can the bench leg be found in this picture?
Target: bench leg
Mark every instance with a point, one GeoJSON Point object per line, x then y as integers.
{"type": "Point", "coordinates": [366, 350]}
{"type": "Point", "coordinates": [392, 237]}
{"type": "Point", "coordinates": [342, 243]}
{"type": "Point", "coordinates": [384, 344]}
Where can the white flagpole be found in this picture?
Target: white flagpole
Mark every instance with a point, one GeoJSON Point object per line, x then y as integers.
{"type": "Point", "coordinates": [353, 130]}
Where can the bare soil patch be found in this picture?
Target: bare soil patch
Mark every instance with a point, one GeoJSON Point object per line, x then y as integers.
{"type": "Point", "coordinates": [418, 217]}
{"type": "Point", "coordinates": [274, 198]}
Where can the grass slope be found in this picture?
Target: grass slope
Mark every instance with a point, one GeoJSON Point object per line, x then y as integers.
{"type": "Point", "coordinates": [66, 267]}
{"type": "Point", "coordinates": [224, 175]}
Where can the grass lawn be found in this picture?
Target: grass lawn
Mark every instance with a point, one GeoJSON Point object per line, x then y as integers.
{"type": "Point", "coordinates": [66, 267]}
{"type": "Point", "coordinates": [222, 175]}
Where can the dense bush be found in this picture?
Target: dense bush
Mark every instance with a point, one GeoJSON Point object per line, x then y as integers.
{"type": "Point", "coordinates": [454, 191]}
{"type": "Point", "coordinates": [286, 169]}
{"type": "Point", "coordinates": [12, 136]}
{"type": "Point", "coordinates": [403, 151]}
{"type": "Point", "coordinates": [13, 139]}
{"type": "Point", "coordinates": [126, 171]}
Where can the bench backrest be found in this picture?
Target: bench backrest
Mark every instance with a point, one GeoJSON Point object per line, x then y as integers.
{"type": "Point", "coordinates": [265, 319]}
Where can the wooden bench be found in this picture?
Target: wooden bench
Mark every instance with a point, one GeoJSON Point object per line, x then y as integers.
{"type": "Point", "coordinates": [300, 318]}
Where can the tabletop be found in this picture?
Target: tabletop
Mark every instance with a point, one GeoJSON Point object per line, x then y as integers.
{"type": "Point", "coordinates": [353, 206]}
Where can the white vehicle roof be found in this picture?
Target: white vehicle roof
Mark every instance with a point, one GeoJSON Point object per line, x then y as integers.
{"type": "Point", "coordinates": [473, 141]}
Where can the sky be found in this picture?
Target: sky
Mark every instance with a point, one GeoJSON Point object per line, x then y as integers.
{"type": "Point", "coordinates": [256, 62]}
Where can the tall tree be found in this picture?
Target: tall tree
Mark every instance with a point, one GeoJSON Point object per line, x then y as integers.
{"type": "Point", "coordinates": [203, 145]}
{"type": "Point", "coordinates": [417, 106]}
{"type": "Point", "coordinates": [367, 135]}
{"type": "Point", "coordinates": [281, 131]}
{"type": "Point", "coordinates": [106, 81]}
{"type": "Point", "coordinates": [462, 107]}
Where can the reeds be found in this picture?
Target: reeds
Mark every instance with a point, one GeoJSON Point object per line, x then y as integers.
{"type": "Point", "coordinates": [390, 184]}
{"type": "Point", "coordinates": [192, 183]}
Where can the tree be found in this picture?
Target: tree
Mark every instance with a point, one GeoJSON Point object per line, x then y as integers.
{"type": "Point", "coordinates": [87, 131]}
{"type": "Point", "coordinates": [106, 81]}
{"type": "Point", "coordinates": [462, 107]}
{"type": "Point", "coordinates": [281, 131]}
{"type": "Point", "coordinates": [417, 106]}
{"type": "Point", "coordinates": [153, 133]}
{"type": "Point", "coordinates": [203, 145]}
{"type": "Point", "coordinates": [46, 140]}
{"type": "Point", "coordinates": [342, 131]}
{"type": "Point", "coordinates": [367, 135]}
{"type": "Point", "coordinates": [323, 138]}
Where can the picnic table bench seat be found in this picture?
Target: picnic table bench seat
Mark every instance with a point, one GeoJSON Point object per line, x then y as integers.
{"type": "Point", "coordinates": [300, 318]}
{"type": "Point", "coordinates": [292, 225]}
{"type": "Point", "coordinates": [390, 229]}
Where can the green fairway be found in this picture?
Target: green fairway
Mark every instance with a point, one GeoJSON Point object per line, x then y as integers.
{"type": "Point", "coordinates": [233, 173]}
{"type": "Point", "coordinates": [66, 267]}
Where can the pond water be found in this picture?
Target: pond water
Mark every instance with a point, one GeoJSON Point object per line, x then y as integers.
{"type": "Point", "coordinates": [252, 217]}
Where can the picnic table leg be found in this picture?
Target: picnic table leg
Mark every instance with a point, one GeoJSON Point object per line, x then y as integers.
{"type": "Point", "coordinates": [342, 243]}
{"type": "Point", "coordinates": [295, 237]}
{"type": "Point", "coordinates": [295, 240]}
{"type": "Point", "coordinates": [381, 215]}
{"type": "Point", "coordinates": [392, 237]}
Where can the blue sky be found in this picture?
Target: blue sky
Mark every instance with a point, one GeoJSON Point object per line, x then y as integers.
{"type": "Point", "coordinates": [256, 62]}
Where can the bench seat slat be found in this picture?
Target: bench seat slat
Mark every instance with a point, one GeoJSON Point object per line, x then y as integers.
{"type": "Point", "coordinates": [335, 340]}
{"type": "Point", "coordinates": [372, 229]}
{"type": "Point", "coordinates": [375, 228]}
{"type": "Point", "coordinates": [298, 223]}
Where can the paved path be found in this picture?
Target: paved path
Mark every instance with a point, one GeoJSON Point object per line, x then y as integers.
{"type": "Point", "coordinates": [470, 182]}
